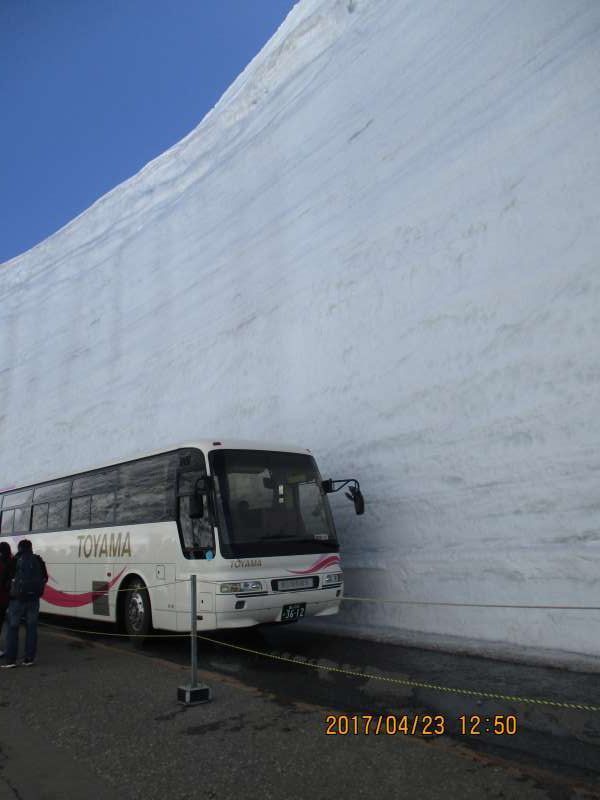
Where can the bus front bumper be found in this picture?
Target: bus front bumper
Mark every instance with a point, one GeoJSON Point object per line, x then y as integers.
{"type": "Point", "coordinates": [269, 608]}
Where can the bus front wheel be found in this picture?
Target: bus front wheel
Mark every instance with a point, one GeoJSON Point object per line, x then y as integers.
{"type": "Point", "coordinates": [137, 614]}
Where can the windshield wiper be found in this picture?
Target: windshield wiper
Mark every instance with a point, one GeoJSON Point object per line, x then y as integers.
{"type": "Point", "coordinates": [323, 542]}
{"type": "Point", "coordinates": [330, 545]}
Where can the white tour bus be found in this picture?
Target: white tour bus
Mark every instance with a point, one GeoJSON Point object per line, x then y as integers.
{"type": "Point", "coordinates": [251, 521]}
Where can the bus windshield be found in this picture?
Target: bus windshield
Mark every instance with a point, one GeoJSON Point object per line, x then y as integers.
{"type": "Point", "coordinates": [270, 503]}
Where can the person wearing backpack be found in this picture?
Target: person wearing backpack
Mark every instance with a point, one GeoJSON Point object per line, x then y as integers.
{"type": "Point", "coordinates": [28, 576]}
{"type": "Point", "coordinates": [5, 562]}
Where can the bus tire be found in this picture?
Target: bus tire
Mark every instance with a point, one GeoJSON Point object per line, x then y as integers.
{"type": "Point", "coordinates": [137, 612]}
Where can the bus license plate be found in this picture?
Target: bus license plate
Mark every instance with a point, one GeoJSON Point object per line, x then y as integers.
{"type": "Point", "coordinates": [293, 611]}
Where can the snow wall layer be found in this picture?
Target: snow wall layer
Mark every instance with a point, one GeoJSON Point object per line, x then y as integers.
{"type": "Point", "coordinates": [383, 244]}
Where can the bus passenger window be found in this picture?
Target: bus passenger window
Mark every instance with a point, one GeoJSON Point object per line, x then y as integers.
{"type": "Point", "coordinates": [58, 514]}
{"type": "Point", "coordinates": [80, 512]}
{"type": "Point", "coordinates": [39, 517]}
{"type": "Point", "coordinates": [22, 518]}
{"type": "Point", "coordinates": [6, 526]}
{"type": "Point", "coordinates": [146, 491]}
{"type": "Point", "coordinates": [20, 498]}
{"type": "Point", "coordinates": [103, 509]}
{"type": "Point", "coordinates": [52, 491]}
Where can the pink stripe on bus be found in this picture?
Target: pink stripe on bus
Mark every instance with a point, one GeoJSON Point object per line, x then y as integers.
{"type": "Point", "coordinates": [70, 600]}
{"type": "Point", "coordinates": [321, 563]}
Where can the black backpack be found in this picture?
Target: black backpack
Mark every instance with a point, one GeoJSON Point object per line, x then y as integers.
{"type": "Point", "coordinates": [29, 580]}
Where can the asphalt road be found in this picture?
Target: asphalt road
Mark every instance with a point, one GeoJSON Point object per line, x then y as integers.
{"type": "Point", "coordinates": [558, 748]}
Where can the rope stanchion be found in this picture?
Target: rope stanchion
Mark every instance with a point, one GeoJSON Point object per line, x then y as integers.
{"type": "Point", "coordinates": [193, 693]}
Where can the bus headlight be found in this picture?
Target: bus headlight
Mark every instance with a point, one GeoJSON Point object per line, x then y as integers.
{"type": "Point", "coordinates": [241, 586]}
{"type": "Point", "coordinates": [333, 579]}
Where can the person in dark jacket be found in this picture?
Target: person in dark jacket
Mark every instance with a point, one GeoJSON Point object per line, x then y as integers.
{"type": "Point", "coordinates": [28, 576]}
{"type": "Point", "coordinates": [5, 562]}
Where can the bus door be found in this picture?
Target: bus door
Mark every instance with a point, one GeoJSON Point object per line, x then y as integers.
{"type": "Point", "coordinates": [197, 543]}
{"type": "Point", "coordinates": [162, 594]}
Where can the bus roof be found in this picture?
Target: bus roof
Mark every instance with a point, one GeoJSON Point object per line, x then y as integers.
{"type": "Point", "coordinates": [206, 445]}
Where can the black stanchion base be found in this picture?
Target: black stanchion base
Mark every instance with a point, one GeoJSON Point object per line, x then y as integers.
{"type": "Point", "coordinates": [193, 695]}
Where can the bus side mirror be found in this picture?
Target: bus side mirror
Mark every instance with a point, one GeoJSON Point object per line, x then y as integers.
{"type": "Point", "coordinates": [355, 494]}
{"type": "Point", "coordinates": [196, 509]}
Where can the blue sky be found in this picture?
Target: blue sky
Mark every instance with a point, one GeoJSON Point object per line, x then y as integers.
{"type": "Point", "coordinates": [91, 90]}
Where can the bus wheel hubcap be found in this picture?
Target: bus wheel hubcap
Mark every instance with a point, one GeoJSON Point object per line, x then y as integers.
{"type": "Point", "coordinates": [136, 611]}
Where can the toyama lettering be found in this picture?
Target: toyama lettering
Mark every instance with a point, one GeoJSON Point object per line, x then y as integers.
{"type": "Point", "coordinates": [104, 544]}
{"type": "Point", "coordinates": [246, 562]}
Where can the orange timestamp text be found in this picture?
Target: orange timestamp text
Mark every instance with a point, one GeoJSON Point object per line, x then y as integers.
{"type": "Point", "coordinates": [419, 725]}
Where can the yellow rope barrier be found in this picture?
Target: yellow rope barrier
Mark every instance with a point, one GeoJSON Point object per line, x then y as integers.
{"type": "Point", "coordinates": [354, 598]}
{"type": "Point", "coordinates": [356, 673]}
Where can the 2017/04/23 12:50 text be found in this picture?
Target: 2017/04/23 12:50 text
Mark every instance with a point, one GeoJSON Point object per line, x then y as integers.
{"type": "Point", "coordinates": [419, 725]}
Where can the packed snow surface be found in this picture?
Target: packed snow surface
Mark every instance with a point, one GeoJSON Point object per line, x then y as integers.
{"type": "Point", "coordinates": [383, 244]}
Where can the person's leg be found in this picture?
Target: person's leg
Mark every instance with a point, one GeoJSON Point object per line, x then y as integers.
{"type": "Point", "coordinates": [32, 611]}
{"type": "Point", "coordinates": [3, 611]}
{"type": "Point", "coordinates": [15, 611]}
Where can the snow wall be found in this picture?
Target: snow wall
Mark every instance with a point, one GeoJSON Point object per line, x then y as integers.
{"type": "Point", "coordinates": [383, 244]}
